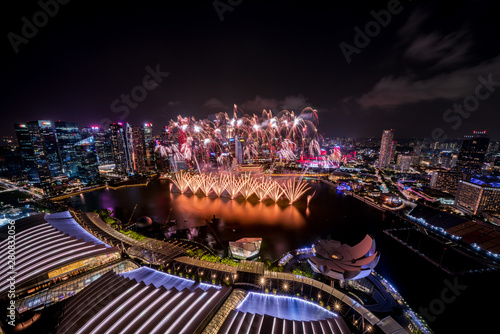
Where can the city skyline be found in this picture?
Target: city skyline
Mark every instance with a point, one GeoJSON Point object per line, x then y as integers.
{"type": "Point", "coordinates": [231, 166]}
{"type": "Point", "coordinates": [200, 59]}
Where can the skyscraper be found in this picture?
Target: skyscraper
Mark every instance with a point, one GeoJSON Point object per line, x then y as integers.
{"type": "Point", "coordinates": [472, 153]}
{"type": "Point", "coordinates": [11, 163]}
{"type": "Point", "coordinates": [88, 168]}
{"type": "Point", "coordinates": [386, 148]}
{"type": "Point", "coordinates": [135, 136]}
{"type": "Point", "coordinates": [238, 149]}
{"type": "Point", "coordinates": [68, 135]}
{"type": "Point", "coordinates": [102, 143]}
{"type": "Point", "coordinates": [35, 164]}
{"type": "Point", "coordinates": [149, 146]}
{"type": "Point", "coordinates": [50, 145]}
{"type": "Point", "coordinates": [119, 148]}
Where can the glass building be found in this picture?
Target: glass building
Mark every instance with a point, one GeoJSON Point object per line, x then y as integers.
{"type": "Point", "coordinates": [472, 153]}
{"type": "Point", "coordinates": [88, 167]}
{"type": "Point", "coordinates": [68, 135]}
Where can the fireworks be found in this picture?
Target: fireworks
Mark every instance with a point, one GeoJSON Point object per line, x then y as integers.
{"type": "Point", "coordinates": [294, 190]}
{"type": "Point", "coordinates": [181, 181]}
{"type": "Point", "coordinates": [283, 136]}
{"type": "Point", "coordinates": [245, 184]}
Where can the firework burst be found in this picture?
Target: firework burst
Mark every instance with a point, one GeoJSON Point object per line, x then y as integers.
{"type": "Point", "coordinates": [245, 185]}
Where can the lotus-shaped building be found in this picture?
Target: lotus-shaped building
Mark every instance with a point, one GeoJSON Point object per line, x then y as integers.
{"type": "Point", "coordinates": [344, 262]}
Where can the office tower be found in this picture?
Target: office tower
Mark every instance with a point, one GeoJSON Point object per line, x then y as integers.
{"type": "Point", "coordinates": [478, 195]}
{"type": "Point", "coordinates": [88, 168]}
{"type": "Point", "coordinates": [11, 163]}
{"type": "Point", "coordinates": [119, 147]}
{"type": "Point", "coordinates": [102, 143]}
{"type": "Point", "coordinates": [445, 180]}
{"type": "Point", "coordinates": [50, 145]}
{"type": "Point", "coordinates": [68, 135]}
{"type": "Point", "coordinates": [238, 149]}
{"type": "Point", "coordinates": [149, 146]}
{"type": "Point", "coordinates": [135, 136]}
{"type": "Point", "coordinates": [26, 151]}
{"type": "Point", "coordinates": [386, 147]}
{"type": "Point", "coordinates": [472, 153]}
{"type": "Point", "coordinates": [35, 165]}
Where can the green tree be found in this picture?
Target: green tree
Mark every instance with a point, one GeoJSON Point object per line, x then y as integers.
{"type": "Point", "coordinates": [199, 253]}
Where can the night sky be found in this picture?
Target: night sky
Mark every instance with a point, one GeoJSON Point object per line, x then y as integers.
{"type": "Point", "coordinates": [422, 58]}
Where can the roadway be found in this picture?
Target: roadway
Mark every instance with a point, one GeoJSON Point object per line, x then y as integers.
{"type": "Point", "coordinates": [10, 186]}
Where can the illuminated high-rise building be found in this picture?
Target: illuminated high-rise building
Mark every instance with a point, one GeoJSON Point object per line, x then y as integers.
{"type": "Point", "coordinates": [478, 195]}
{"type": "Point", "coordinates": [135, 138]}
{"type": "Point", "coordinates": [68, 135]}
{"type": "Point", "coordinates": [445, 180]}
{"type": "Point", "coordinates": [88, 168]}
{"type": "Point", "coordinates": [386, 147]}
{"type": "Point", "coordinates": [472, 153]}
{"type": "Point", "coordinates": [119, 147]}
{"type": "Point", "coordinates": [11, 163]}
{"type": "Point", "coordinates": [49, 144]}
{"type": "Point", "coordinates": [35, 164]}
{"type": "Point", "coordinates": [238, 149]}
{"type": "Point", "coordinates": [149, 146]}
{"type": "Point", "coordinates": [102, 143]}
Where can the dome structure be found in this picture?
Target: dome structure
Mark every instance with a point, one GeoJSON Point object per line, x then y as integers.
{"type": "Point", "coordinates": [344, 262]}
{"type": "Point", "coordinates": [143, 222]}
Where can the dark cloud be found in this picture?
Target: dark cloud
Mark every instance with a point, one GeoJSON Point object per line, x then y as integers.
{"type": "Point", "coordinates": [393, 91]}
{"type": "Point", "coordinates": [442, 50]}
{"type": "Point", "coordinates": [214, 103]}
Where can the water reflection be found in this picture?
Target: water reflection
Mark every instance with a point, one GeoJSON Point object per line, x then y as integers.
{"type": "Point", "coordinates": [244, 212]}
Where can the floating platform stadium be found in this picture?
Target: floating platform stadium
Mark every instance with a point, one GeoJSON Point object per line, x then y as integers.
{"type": "Point", "coordinates": [77, 283]}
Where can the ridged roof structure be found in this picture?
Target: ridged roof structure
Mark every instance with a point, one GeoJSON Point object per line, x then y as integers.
{"type": "Point", "coordinates": [45, 243]}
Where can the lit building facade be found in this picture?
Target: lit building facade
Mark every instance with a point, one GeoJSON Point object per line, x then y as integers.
{"type": "Point", "coordinates": [477, 195]}
{"type": "Point", "coordinates": [135, 139]}
{"type": "Point", "coordinates": [102, 143]}
{"type": "Point", "coordinates": [149, 146]}
{"type": "Point", "coordinates": [35, 164]}
{"type": "Point", "coordinates": [445, 180]}
{"type": "Point", "coordinates": [88, 167]}
{"type": "Point", "coordinates": [472, 153]}
{"type": "Point", "coordinates": [386, 146]}
{"type": "Point", "coordinates": [68, 134]}
{"type": "Point", "coordinates": [48, 140]}
{"type": "Point", "coordinates": [11, 163]}
{"type": "Point", "coordinates": [404, 162]}
{"type": "Point", "coordinates": [119, 148]}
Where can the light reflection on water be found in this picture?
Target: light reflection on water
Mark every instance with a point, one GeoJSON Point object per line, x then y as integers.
{"type": "Point", "coordinates": [245, 212]}
{"type": "Point", "coordinates": [283, 227]}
